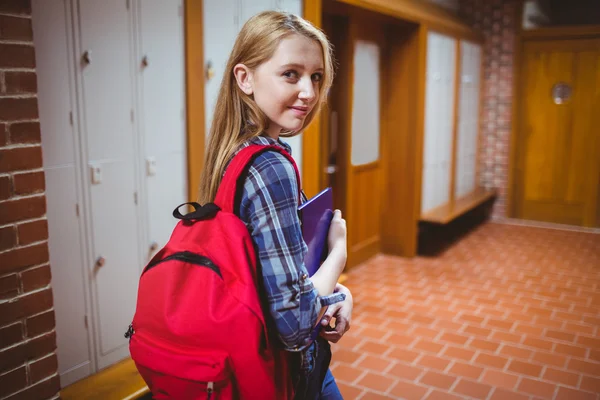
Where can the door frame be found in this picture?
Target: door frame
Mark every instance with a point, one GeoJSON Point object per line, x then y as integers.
{"type": "Point", "coordinates": [516, 155]}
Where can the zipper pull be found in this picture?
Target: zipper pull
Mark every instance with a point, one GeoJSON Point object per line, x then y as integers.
{"type": "Point", "coordinates": [129, 332]}
{"type": "Point", "coordinates": [210, 387]}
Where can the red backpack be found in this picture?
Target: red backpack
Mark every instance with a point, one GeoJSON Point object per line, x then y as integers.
{"type": "Point", "coordinates": [199, 330]}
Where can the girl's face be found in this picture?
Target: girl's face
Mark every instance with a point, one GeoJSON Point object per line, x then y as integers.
{"type": "Point", "coordinates": [286, 87]}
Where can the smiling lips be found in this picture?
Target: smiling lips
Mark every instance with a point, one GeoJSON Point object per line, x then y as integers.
{"type": "Point", "coordinates": [300, 111]}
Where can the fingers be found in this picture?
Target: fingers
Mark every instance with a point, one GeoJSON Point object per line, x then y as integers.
{"type": "Point", "coordinates": [331, 311]}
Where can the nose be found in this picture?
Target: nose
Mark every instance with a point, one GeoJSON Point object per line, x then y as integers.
{"type": "Point", "coordinates": [307, 90]}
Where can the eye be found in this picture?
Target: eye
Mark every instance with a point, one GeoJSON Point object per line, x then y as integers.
{"type": "Point", "coordinates": [291, 74]}
{"type": "Point", "coordinates": [318, 77]}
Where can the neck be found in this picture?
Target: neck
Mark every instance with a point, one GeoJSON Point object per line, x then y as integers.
{"type": "Point", "coordinates": [273, 132]}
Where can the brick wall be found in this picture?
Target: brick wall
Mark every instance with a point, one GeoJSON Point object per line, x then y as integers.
{"type": "Point", "coordinates": [498, 21]}
{"type": "Point", "coordinates": [28, 364]}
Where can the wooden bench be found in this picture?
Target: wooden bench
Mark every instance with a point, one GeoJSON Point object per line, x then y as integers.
{"type": "Point", "coordinates": [446, 213]}
{"type": "Point", "coordinates": [119, 382]}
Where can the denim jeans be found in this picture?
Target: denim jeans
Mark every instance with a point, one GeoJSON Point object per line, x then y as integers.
{"type": "Point", "coordinates": [330, 390]}
{"type": "Point", "coordinates": [315, 379]}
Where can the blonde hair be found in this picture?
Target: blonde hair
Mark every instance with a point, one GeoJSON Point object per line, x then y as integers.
{"type": "Point", "coordinates": [237, 118]}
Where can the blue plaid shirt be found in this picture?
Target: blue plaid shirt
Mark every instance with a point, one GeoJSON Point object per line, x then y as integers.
{"type": "Point", "coordinates": [269, 207]}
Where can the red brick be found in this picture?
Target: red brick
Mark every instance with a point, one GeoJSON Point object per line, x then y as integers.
{"type": "Point", "coordinates": [538, 343]}
{"type": "Point", "coordinates": [437, 395]}
{"type": "Point", "coordinates": [472, 389]}
{"type": "Point", "coordinates": [16, 56]}
{"type": "Point", "coordinates": [595, 355]}
{"type": "Point", "coordinates": [484, 345]}
{"type": "Point", "coordinates": [525, 368]}
{"type": "Point", "coordinates": [15, 28]}
{"type": "Point", "coordinates": [8, 238]}
{"type": "Point", "coordinates": [501, 394]}
{"type": "Point", "coordinates": [25, 306]}
{"type": "Point", "coordinates": [377, 382]}
{"type": "Point", "coordinates": [496, 323]}
{"type": "Point", "coordinates": [428, 346]}
{"type": "Point", "coordinates": [40, 324]}
{"type": "Point", "coordinates": [501, 379]}
{"type": "Point", "coordinates": [31, 232]}
{"type": "Point", "coordinates": [433, 362]}
{"type": "Point", "coordinates": [409, 391]}
{"type": "Point", "coordinates": [23, 257]}
{"type": "Point", "coordinates": [589, 368]}
{"type": "Point", "coordinates": [405, 371]}
{"type": "Point", "coordinates": [460, 353]}
{"type": "Point", "coordinates": [9, 286]}
{"type": "Point", "coordinates": [590, 384]}
{"type": "Point", "coordinates": [550, 359]}
{"type": "Point", "coordinates": [349, 392]}
{"type": "Point", "coordinates": [372, 347]}
{"type": "Point", "coordinates": [12, 381]}
{"type": "Point", "coordinates": [346, 356]}
{"type": "Point", "coordinates": [40, 346]}
{"type": "Point", "coordinates": [29, 183]}
{"type": "Point", "coordinates": [10, 335]}
{"type": "Point", "coordinates": [376, 364]}
{"type": "Point", "coordinates": [400, 339]}
{"type": "Point", "coordinates": [454, 338]}
{"type": "Point", "coordinates": [558, 376]}
{"type": "Point", "coordinates": [491, 361]}
{"type": "Point", "coordinates": [466, 370]}
{"type": "Point", "coordinates": [529, 329]}
{"type": "Point", "coordinates": [537, 388]}
{"type": "Point", "coordinates": [20, 82]}
{"type": "Point", "coordinates": [506, 337]}
{"type": "Point", "coordinates": [43, 368]}
{"type": "Point", "coordinates": [25, 132]}
{"type": "Point", "coordinates": [20, 209]}
{"type": "Point", "coordinates": [17, 108]}
{"type": "Point", "coordinates": [591, 342]}
{"type": "Point", "coordinates": [20, 158]}
{"type": "Point", "coordinates": [576, 351]}
{"type": "Point", "coordinates": [5, 187]}
{"type": "Point", "coordinates": [17, 7]}
{"type": "Point", "coordinates": [568, 337]}
{"type": "Point", "coordinates": [518, 352]}
{"type": "Point", "coordinates": [438, 380]}
{"type": "Point", "coordinates": [425, 332]}
{"type": "Point", "coordinates": [572, 394]}
{"type": "Point", "coordinates": [404, 355]}
{"type": "Point", "coordinates": [3, 134]}
{"type": "Point", "coordinates": [471, 318]}
{"type": "Point", "coordinates": [36, 278]}
{"type": "Point", "coordinates": [43, 390]}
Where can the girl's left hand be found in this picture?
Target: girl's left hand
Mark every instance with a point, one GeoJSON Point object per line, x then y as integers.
{"type": "Point", "coordinates": [342, 312]}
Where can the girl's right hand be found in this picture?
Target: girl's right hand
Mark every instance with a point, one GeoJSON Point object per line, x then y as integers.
{"type": "Point", "coordinates": [337, 232]}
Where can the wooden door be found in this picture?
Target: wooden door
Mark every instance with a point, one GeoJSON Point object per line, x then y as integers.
{"type": "Point", "coordinates": [355, 123]}
{"type": "Point", "coordinates": [559, 140]}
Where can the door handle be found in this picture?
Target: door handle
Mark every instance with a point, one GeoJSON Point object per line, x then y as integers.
{"type": "Point", "coordinates": [331, 169]}
{"type": "Point", "coordinates": [87, 57]}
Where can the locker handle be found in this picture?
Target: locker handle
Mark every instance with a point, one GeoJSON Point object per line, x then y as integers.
{"type": "Point", "coordinates": [100, 262]}
{"type": "Point", "coordinates": [87, 57]}
{"type": "Point", "coordinates": [153, 246]}
{"type": "Point", "coordinates": [145, 61]}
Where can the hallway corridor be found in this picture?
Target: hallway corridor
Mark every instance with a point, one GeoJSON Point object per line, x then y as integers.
{"type": "Point", "coordinates": [508, 312]}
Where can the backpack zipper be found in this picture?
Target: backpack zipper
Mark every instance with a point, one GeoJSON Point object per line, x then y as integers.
{"type": "Point", "coordinates": [210, 387]}
{"type": "Point", "coordinates": [189, 257]}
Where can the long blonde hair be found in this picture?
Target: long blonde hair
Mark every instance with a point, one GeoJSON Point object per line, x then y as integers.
{"type": "Point", "coordinates": [237, 117]}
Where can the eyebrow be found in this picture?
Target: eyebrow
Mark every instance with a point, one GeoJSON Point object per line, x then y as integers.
{"type": "Point", "coordinates": [299, 66]}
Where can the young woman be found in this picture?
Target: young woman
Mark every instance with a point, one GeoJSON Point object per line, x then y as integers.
{"type": "Point", "coordinates": [276, 80]}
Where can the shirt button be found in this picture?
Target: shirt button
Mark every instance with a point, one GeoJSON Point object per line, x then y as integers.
{"type": "Point", "coordinates": [304, 276]}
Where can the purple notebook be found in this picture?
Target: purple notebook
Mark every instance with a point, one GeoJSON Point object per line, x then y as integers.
{"type": "Point", "coordinates": [316, 215]}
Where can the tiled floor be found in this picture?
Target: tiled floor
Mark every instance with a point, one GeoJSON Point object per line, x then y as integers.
{"type": "Point", "coordinates": [508, 312]}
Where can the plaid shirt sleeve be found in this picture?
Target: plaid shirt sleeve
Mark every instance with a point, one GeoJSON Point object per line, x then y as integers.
{"type": "Point", "coordinates": [269, 207]}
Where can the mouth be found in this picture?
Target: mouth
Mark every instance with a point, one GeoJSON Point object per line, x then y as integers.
{"type": "Point", "coordinates": [300, 110]}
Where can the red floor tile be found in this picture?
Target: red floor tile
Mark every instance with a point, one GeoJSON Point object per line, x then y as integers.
{"type": "Point", "coordinates": [508, 312]}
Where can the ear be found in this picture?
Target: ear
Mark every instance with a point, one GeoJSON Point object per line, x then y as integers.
{"type": "Point", "coordinates": [243, 76]}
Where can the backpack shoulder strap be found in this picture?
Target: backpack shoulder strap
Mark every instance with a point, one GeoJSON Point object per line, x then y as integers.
{"type": "Point", "coordinates": [232, 184]}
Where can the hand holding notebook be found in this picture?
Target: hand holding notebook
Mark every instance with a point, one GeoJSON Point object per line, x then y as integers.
{"type": "Point", "coordinates": [316, 215]}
